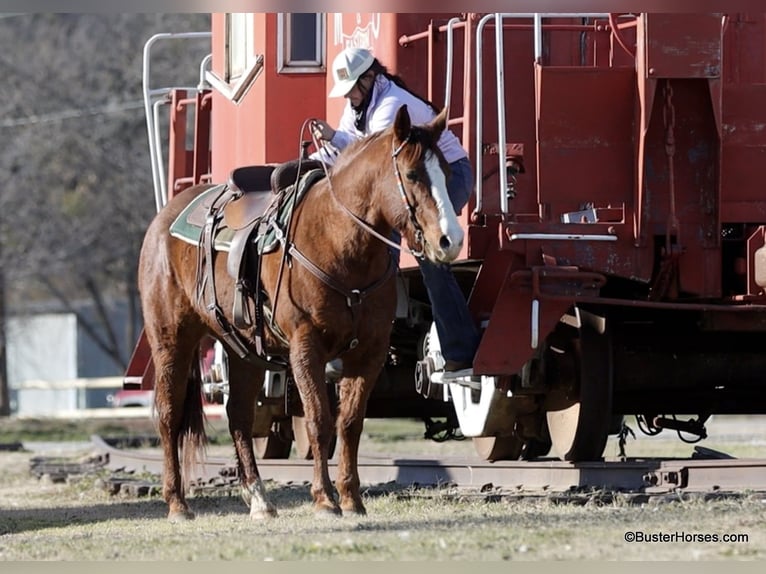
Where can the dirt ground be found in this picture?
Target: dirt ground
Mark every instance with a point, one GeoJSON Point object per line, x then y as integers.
{"type": "Point", "coordinates": [80, 520]}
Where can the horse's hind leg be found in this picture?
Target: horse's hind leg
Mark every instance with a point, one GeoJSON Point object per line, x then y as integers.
{"type": "Point", "coordinates": [245, 382]}
{"type": "Point", "coordinates": [172, 362]}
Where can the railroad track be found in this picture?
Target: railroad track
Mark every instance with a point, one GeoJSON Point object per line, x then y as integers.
{"type": "Point", "coordinates": [712, 472]}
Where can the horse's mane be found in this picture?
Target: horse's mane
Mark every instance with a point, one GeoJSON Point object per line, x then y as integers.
{"type": "Point", "coordinates": [351, 151]}
{"type": "Point", "coordinates": [420, 135]}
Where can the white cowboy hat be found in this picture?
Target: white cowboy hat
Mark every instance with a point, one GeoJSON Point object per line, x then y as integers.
{"type": "Point", "coordinates": [347, 67]}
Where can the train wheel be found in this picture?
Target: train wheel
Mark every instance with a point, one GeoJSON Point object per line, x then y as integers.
{"type": "Point", "coordinates": [277, 444]}
{"type": "Point", "coordinates": [494, 448]}
{"type": "Point", "coordinates": [580, 412]}
{"type": "Point", "coordinates": [535, 448]}
{"type": "Point", "coordinates": [302, 444]}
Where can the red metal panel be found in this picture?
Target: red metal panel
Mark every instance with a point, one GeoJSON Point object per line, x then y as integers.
{"type": "Point", "coordinates": [742, 192]}
{"type": "Point", "coordinates": [690, 190]}
{"type": "Point", "coordinates": [744, 56]}
{"type": "Point", "coordinates": [138, 366]}
{"type": "Point", "coordinates": [743, 161]}
{"type": "Point", "coordinates": [585, 144]}
{"type": "Point", "coordinates": [744, 115]}
{"type": "Point", "coordinates": [495, 267]}
{"type": "Point", "coordinates": [505, 345]}
{"type": "Point", "coordinates": [683, 45]}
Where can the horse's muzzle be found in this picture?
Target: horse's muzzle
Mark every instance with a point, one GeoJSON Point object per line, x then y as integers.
{"type": "Point", "coordinates": [448, 249]}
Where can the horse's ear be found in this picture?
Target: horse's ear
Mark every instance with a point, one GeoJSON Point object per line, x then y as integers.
{"type": "Point", "coordinates": [439, 123]}
{"type": "Point", "coordinates": [402, 124]}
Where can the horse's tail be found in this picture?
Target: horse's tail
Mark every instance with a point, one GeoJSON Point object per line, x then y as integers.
{"type": "Point", "coordinates": [192, 438]}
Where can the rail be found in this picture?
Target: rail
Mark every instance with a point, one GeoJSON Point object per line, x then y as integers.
{"type": "Point", "coordinates": [649, 475]}
{"type": "Point", "coordinates": [156, 97]}
{"type": "Point", "coordinates": [537, 27]}
{"type": "Point", "coordinates": [449, 28]}
{"type": "Point", "coordinates": [498, 18]}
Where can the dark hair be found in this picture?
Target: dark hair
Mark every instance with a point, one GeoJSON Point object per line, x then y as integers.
{"type": "Point", "coordinates": [379, 68]}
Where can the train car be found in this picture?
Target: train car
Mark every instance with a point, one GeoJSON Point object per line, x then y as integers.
{"type": "Point", "coordinates": [615, 258]}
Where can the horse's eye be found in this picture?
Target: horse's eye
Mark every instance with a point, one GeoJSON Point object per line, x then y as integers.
{"type": "Point", "coordinates": [412, 175]}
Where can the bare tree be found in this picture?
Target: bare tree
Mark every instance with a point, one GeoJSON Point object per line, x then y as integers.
{"type": "Point", "coordinates": [77, 195]}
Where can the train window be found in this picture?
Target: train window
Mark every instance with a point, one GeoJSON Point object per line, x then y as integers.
{"type": "Point", "coordinates": [301, 42]}
{"type": "Point", "coordinates": [242, 65]}
{"type": "Point", "coordinates": [239, 45]}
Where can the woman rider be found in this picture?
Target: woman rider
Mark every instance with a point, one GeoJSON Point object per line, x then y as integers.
{"type": "Point", "coordinates": [373, 96]}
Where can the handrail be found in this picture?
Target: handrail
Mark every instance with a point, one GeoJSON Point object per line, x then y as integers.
{"type": "Point", "coordinates": [537, 18]}
{"type": "Point", "coordinates": [500, 88]}
{"type": "Point", "coordinates": [151, 110]}
{"type": "Point", "coordinates": [448, 79]}
{"type": "Point", "coordinates": [160, 194]}
{"type": "Point", "coordinates": [204, 65]}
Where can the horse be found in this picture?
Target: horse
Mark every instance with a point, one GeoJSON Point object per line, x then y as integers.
{"type": "Point", "coordinates": [337, 299]}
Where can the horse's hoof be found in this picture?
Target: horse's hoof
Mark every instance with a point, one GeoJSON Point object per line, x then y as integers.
{"type": "Point", "coordinates": [180, 516]}
{"type": "Point", "coordinates": [263, 513]}
{"type": "Point", "coordinates": [328, 512]}
{"type": "Point", "coordinates": [355, 512]}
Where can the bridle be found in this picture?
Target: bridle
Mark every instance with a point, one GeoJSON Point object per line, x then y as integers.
{"type": "Point", "coordinates": [419, 236]}
{"type": "Point", "coordinates": [354, 297]}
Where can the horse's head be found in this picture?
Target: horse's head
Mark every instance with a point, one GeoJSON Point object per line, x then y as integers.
{"type": "Point", "coordinates": [425, 216]}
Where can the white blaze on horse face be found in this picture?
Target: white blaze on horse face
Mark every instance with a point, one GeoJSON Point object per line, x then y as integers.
{"type": "Point", "coordinates": [450, 227]}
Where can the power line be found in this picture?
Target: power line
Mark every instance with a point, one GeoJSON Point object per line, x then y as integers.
{"type": "Point", "coordinates": [71, 114]}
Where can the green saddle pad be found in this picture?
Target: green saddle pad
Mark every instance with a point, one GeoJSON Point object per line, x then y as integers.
{"type": "Point", "coordinates": [190, 222]}
{"type": "Point", "coordinates": [187, 226]}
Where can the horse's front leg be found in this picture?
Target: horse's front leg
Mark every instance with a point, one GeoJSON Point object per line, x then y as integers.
{"type": "Point", "coordinates": [308, 372]}
{"type": "Point", "coordinates": [355, 389]}
{"type": "Point", "coordinates": [244, 385]}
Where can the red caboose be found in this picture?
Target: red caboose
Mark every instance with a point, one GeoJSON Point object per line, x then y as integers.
{"type": "Point", "coordinates": [616, 258]}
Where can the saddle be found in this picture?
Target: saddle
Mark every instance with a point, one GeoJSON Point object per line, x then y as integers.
{"type": "Point", "coordinates": [251, 193]}
{"type": "Point", "coordinates": [288, 181]}
{"type": "Point", "coordinates": [247, 217]}
{"type": "Point", "coordinates": [254, 181]}
{"type": "Point", "coordinates": [251, 184]}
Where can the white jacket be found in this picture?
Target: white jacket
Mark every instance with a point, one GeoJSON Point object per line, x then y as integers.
{"type": "Point", "coordinates": [385, 101]}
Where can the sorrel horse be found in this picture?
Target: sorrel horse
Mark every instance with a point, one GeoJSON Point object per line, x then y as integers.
{"type": "Point", "coordinates": [392, 179]}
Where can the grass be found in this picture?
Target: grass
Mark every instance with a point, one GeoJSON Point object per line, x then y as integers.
{"type": "Point", "coordinates": [50, 429]}
{"type": "Point", "coordinates": [78, 520]}
{"type": "Point", "coordinates": [739, 436]}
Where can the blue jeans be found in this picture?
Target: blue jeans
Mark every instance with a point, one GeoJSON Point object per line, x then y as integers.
{"type": "Point", "coordinates": [458, 335]}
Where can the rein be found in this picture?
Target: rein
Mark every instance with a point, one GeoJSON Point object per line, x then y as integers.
{"type": "Point", "coordinates": [400, 186]}
{"type": "Point", "coordinates": [354, 297]}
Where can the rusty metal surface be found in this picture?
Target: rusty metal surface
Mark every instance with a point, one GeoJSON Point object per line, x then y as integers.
{"type": "Point", "coordinates": [695, 53]}
{"type": "Point", "coordinates": [653, 476]}
{"type": "Point", "coordinates": [709, 475]}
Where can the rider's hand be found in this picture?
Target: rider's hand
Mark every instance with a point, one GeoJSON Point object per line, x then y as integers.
{"type": "Point", "coordinates": [322, 130]}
